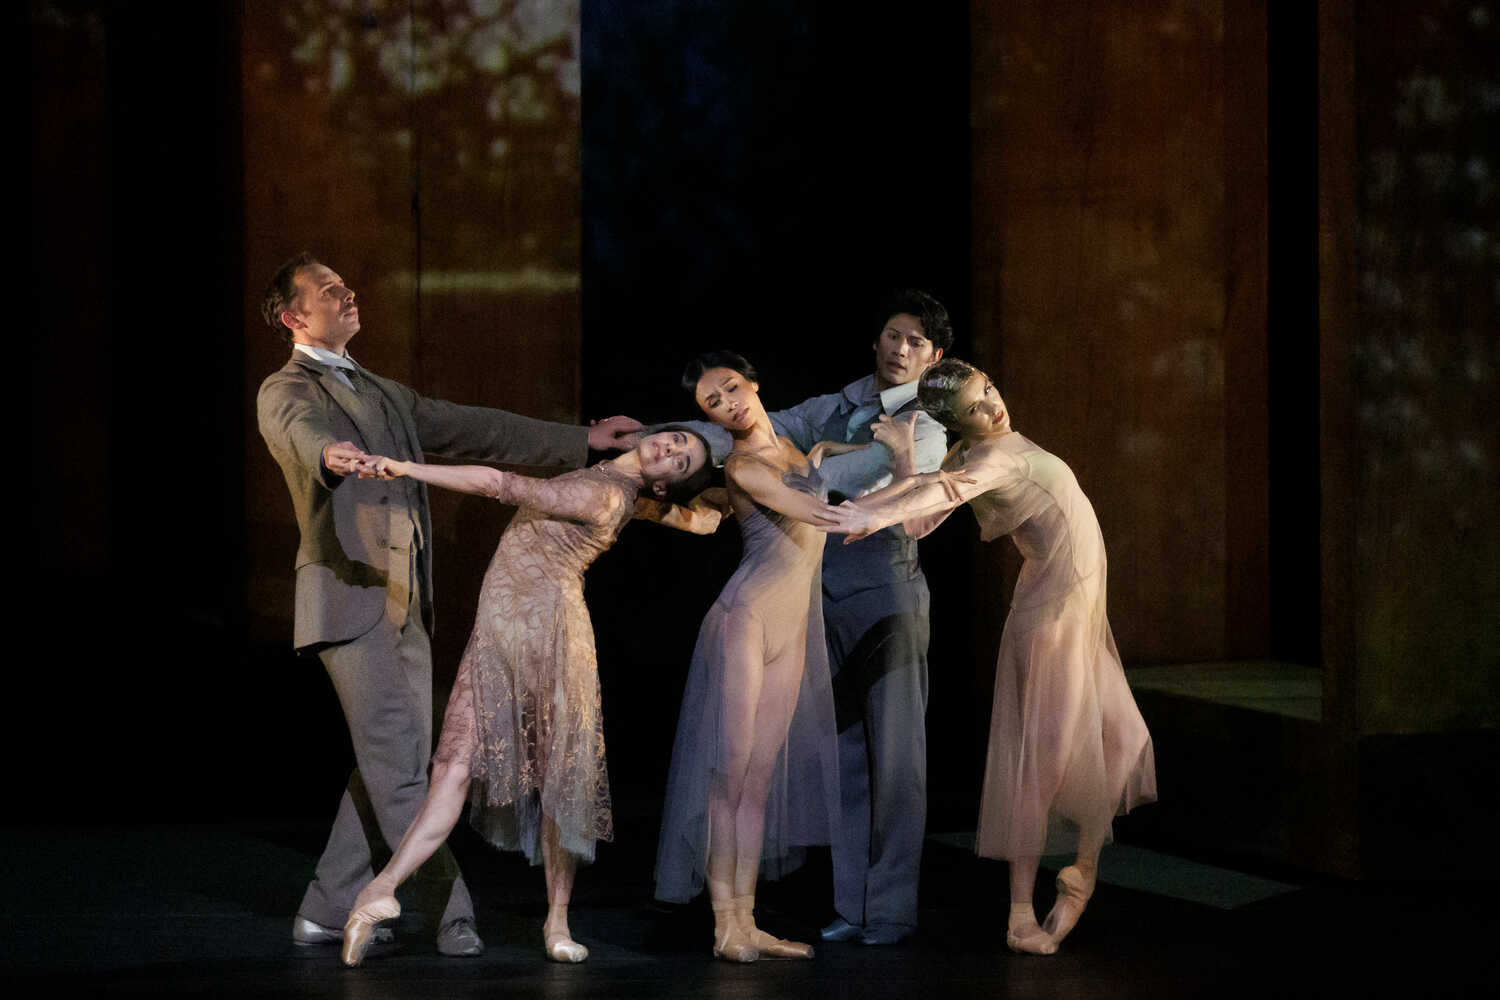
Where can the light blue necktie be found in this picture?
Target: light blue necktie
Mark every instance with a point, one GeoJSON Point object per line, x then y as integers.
{"type": "Point", "coordinates": [860, 417]}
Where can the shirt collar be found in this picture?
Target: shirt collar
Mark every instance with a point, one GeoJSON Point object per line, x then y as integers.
{"type": "Point", "coordinates": [862, 393]}
{"type": "Point", "coordinates": [897, 396]}
{"type": "Point", "coordinates": [326, 357]}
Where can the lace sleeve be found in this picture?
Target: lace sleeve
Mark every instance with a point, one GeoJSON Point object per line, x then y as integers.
{"type": "Point", "coordinates": [571, 498]}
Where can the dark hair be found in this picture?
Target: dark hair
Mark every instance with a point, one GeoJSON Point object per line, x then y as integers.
{"type": "Point", "coordinates": [715, 359]}
{"type": "Point", "coordinates": [935, 324]}
{"type": "Point", "coordinates": [938, 388]}
{"type": "Point", "coordinates": [281, 293]}
{"type": "Point", "coordinates": [684, 490]}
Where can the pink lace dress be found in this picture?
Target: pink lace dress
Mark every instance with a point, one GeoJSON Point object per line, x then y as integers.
{"type": "Point", "coordinates": [525, 712]}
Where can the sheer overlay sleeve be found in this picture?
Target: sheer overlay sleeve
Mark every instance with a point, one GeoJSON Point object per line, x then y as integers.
{"type": "Point", "coordinates": [989, 470]}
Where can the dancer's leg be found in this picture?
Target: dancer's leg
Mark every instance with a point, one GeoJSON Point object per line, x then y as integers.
{"type": "Point", "coordinates": [743, 673]}
{"type": "Point", "coordinates": [446, 795]}
{"type": "Point", "coordinates": [559, 866]}
{"type": "Point", "coordinates": [773, 718]}
{"type": "Point", "coordinates": [447, 791]}
{"type": "Point", "coordinates": [1022, 933]}
{"type": "Point", "coordinates": [439, 813]}
{"type": "Point", "coordinates": [384, 684]}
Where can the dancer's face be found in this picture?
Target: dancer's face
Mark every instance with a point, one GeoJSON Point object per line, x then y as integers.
{"type": "Point", "coordinates": [324, 313]}
{"type": "Point", "coordinates": [978, 410]}
{"type": "Point", "coordinates": [902, 351]}
{"type": "Point", "coordinates": [669, 457]}
{"type": "Point", "coordinates": [728, 398]}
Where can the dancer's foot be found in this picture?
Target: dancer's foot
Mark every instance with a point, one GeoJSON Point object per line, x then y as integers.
{"type": "Point", "coordinates": [560, 945]}
{"type": "Point", "coordinates": [306, 933]}
{"type": "Point", "coordinates": [768, 945]}
{"type": "Point", "coordinates": [1075, 884]}
{"type": "Point", "coordinates": [359, 929]}
{"type": "Point", "coordinates": [731, 943]}
{"type": "Point", "coordinates": [1023, 934]}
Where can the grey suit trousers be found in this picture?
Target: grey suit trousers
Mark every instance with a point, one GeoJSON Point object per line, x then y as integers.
{"type": "Point", "coordinates": [384, 684]}
{"type": "Point", "coordinates": [877, 649]}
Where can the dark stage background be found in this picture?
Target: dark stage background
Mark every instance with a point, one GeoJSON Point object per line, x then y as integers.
{"type": "Point", "coordinates": [1237, 268]}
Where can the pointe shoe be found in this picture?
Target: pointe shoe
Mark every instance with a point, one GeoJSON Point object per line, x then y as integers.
{"type": "Point", "coordinates": [1074, 889]}
{"type": "Point", "coordinates": [360, 930]}
{"type": "Point", "coordinates": [306, 933]}
{"type": "Point", "coordinates": [734, 946]}
{"type": "Point", "coordinates": [1028, 938]}
{"type": "Point", "coordinates": [775, 947]}
{"type": "Point", "coordinates": [560, 946]}
{"type": "Point", "coordinates": [768, 945]}
{"type": "Point", "coordinates": [731, 943]}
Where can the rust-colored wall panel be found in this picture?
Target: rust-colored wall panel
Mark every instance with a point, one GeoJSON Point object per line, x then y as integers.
{"type": "Point", "coordinates": [428, 152]}
{"type": "Point", "coordinates": [1109, 300]}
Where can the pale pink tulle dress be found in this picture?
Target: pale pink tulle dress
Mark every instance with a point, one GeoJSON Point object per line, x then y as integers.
{"type": "Point", "coordinates": [1068, 749]}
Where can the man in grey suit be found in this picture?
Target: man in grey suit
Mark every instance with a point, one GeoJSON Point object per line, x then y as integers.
{"type": "Point", "coordinates": [875, 608]}
{"type": "Point", "coordinates": [364, 572]}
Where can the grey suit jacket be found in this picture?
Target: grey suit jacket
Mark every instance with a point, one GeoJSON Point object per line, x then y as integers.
{"type": "Point", "coordinates": [347, 524]}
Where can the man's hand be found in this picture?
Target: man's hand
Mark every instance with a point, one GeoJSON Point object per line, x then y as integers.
{"type": "Point", "coordinates": [900, 436]}
{"type": "Point", "coordinates": [380, 467]}
{"type": "Point", "coordinates": [614, 434]}
{"type": "Point", "coordinates": [342, 458]}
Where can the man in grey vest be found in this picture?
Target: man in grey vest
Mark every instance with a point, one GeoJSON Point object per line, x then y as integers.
{"type": "Point", "coordinates": [364, 572]}
{"type": "Point", "coordinates": [875, 606]}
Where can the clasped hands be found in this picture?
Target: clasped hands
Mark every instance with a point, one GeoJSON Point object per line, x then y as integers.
{"type": "Point", "coordinates": [862, 518]}
{"type": "Point", "coordinates": [345, 458]}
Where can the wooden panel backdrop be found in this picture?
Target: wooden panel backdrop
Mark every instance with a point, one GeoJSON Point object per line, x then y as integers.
{"type": "Point", "coordinates": [1119, 294]}
{"type": "Point", "coordinates": [428, 152]}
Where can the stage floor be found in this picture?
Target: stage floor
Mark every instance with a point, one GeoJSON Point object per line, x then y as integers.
{"type": "Point", "coordinates": [207, 910]}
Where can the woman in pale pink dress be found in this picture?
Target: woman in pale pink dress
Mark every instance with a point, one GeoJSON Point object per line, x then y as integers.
{"type": "Point", "coordinates": [1068, 748]}
{"type": "Point", "coordinates": [523, 736]}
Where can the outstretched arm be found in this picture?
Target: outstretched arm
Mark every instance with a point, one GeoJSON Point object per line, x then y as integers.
{"type": "Point", "coordinates": [701, 517]}
{"type": "Point", "coordinates": [921, 502]}
{"type": "Point", "coordinates": [573, 500]}
{"type": "Point", "coordinates": [765, 487]}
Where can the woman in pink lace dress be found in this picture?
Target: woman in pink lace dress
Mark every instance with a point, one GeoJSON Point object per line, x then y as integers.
{"type": "Point", "coordinates": [1068, 748]}
{"type": "Point", "coordinates": [523, 736]}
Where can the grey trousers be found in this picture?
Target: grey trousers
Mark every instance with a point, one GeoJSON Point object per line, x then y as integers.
{"type": "Point", "coordinates": [879, 664]}
{"type": "Point", "coordinates": [384, 683]}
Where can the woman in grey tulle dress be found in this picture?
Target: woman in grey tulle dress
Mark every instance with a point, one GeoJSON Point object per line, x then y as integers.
{"type": "Point", "coordinates": [753, 777]}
